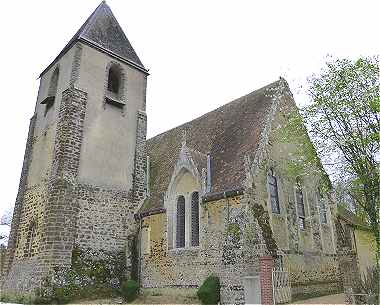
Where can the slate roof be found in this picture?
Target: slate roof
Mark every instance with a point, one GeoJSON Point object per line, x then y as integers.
{"type": "Point", "coordinates": [228, 133]}
{"type": "Point", "coordinates": [102, 31]}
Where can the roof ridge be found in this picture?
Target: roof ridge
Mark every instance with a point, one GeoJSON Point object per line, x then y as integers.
{"type": "Point", "coordinates": [222, 106]}
{"type": "Point", "coordinates": [90, 20]}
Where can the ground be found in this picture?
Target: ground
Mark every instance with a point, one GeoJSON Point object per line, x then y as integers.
{"type": "Point", "coordinates": [159, 299]}
{"type": "Point", "coordinates": [328, 299]}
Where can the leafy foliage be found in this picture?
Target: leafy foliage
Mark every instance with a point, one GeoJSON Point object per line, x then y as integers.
{"type": "Point", "coordinates": [343, 120]}
{"type": "Point", "coordinates": [129, 290]}
{"type": "Point", "coordinates": [209, 292]}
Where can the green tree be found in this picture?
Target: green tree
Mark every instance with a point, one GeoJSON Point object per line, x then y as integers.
{"type": "Point", "coordinates": [343, 119]}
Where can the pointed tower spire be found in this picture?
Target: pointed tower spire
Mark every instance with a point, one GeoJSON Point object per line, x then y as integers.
{"type": "Point", "coordinates": [102, 31]}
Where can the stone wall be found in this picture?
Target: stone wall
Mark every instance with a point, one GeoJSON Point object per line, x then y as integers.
{"type": "Point", "coordinates": [365, 249]}
{"type": "Point", "coordinates": [105, 218]}
{"type": "Point", "coordinates": [309, 254]}
{"type": "Point", "coordinates": [83, 174]}
{"type": "Point", "coordinates": [313, 273]}
{"type": "Point", "coordinates": [226, 249]}
{"type": "Point", "coordinates": [49, 206]}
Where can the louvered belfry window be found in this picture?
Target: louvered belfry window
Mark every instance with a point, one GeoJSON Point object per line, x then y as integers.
{"type": "Point", "coordinates": [180, 242]}
{"type": "Point", "coordinates": [113, 80]}
{"type": "Point", "coordinates": [195, 219]}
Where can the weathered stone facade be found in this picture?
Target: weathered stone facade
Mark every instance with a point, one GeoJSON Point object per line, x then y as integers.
{"type": "Point", "coordinates": [197, 198]}
{"type": "Point", "coordinates": [62, 202]}
{"type": "Point", "coordinates": [238, 227]}
{"type": "Point", "coordinates": [224, 253]}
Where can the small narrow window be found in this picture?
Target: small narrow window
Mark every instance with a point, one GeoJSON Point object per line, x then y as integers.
{"type": "Point", "coordinates": [322, 207]}
{"type": "Point", "coordinates": [273, 192]}
{"type": "Point", "coordinates": [30, 240]}
{"type": "Point", "coordinates": [180, 240]}
{"type": "Point", "coordinates": [300, 207]}
{"type": "Point", "coordinates": [114, 80]}
{"type": "Point", "coordinates": [195, 219]}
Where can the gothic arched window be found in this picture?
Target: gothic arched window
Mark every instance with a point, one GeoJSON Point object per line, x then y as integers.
{"type": "Point", "coordinates": [273, 192]}
{"type": "Point", "coordinates": [300, 206]}
{"type": "Point", "coordinates": [195, 219]}
{"type": "Point", "coordinates": [180, 232]}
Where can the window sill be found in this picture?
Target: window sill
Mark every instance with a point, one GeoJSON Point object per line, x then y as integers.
{"type": "Point", "coordinates": [48, 100]}
{"type": "Point", "coordinates": [113, 99]}
{"type": "Point", "coordinates": [278, 215]}
{"type": "Point", "coordinates": [188, 251]}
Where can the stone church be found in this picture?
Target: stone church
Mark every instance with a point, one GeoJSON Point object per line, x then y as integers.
{"type": "Point", "coordinates": [212, 196]}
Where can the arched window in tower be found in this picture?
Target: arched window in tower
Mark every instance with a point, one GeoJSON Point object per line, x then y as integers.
{"type": "Point", "coordinates": [180, 232]}
{"type": "Point", "coordinates": [54, 82]}
{"type": "Point", "coordinates": [195, 219]}
{"type": "Point", "coordinates": [30, 240]}
{"type": "Point", "coordinates": [114, 80]}
{"type": "Point", "coordinates": [52, 91]}
{"type": "Point", "coordinates": [115, 85]}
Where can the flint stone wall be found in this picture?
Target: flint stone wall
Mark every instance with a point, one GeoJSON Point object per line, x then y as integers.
{"type": "Point", "coordinates": [226, 253]}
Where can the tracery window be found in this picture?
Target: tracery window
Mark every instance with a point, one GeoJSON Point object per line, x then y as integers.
{"type": "Point", "coordinates": [180, 232]}
{"type": "Point", "coordinates": [273, 192]}
{"type": "Point", "coordinates": [300, 207]}
{"type": "Point", "coordinates": [195, 219]}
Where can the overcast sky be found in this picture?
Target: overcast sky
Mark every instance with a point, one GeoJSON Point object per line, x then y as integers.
{"type": "Point", "coordinates": [201, 54]}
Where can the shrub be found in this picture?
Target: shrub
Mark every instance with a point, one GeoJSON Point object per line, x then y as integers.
{"type": "Point", "coordinates": [209, 292]}
{"type": "Point", "coordinates": [129, 290]}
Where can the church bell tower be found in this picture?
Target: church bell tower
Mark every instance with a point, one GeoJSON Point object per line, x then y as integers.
{"type": "Point", "coordinates": [83, 175]}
